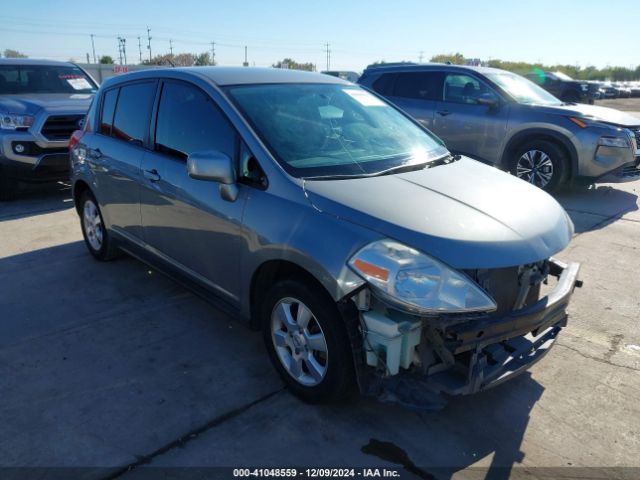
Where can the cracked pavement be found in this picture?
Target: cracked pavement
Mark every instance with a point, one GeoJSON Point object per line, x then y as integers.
{"type": "Point", "coordinates": [113, 366]}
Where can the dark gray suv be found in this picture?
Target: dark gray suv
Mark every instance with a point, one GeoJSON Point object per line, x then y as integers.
{"type": "Point", "coordinates": [366, 253]}
{"type": "Point", "coordinates": [508, 121]}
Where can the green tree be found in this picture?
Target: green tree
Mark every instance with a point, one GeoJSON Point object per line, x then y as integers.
{"type": "Point", "coordinates": [178, 60]}
{"type": "Point", "coordinates": [8, 53]}
{"type": "Point", "coordinates": [454, 58]}
{"type": "Point", "coordinates": [203, 59]}
{"type": "Point", "coordinates": [106, 60]}
{"type": "Point", "coordinates": [293, 65]}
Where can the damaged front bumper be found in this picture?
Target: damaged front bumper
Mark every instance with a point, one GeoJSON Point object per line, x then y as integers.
{"type": "Point", "coordinates": [465, 354]}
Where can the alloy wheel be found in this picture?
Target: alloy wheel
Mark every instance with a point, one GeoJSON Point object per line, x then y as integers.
{"type": "Point", "coordinates": [535, 167]}
{"type": "Point", "coordinates": [299, 341]}
{"type": "Point", "coordinates": [93, 225]}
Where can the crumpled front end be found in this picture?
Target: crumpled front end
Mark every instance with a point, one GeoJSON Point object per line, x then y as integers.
{"type": "Point", "coordinates": [417, 361]}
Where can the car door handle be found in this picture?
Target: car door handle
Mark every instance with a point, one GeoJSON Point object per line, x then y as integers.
{"type": "Point", "coordinates": [443, 113]}
{"type": "Point", "coordinates": [151, 175]}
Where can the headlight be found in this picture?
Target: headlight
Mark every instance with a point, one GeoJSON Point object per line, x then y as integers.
{"type": "Point", "coordinates": [418, 283]}
{"type": "Point", "coordinates": [614, 142]}
{"type": "Point", "coordinates": [10, 121]}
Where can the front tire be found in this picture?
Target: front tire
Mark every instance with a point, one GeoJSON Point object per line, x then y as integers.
{"type": "Point", "coordinates": [96, 236]}
{"type": "Point", "coordinates": [307, 341]}
{"type": "Point", "coordinates": [541, 163]}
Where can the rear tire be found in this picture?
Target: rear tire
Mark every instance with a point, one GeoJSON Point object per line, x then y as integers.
{"type": "Point", "coordinates": [541, 163]}
{"type": "Point", "coordinates": [96, 236]}
{"type": "Point", "coordinates": [307, 341]}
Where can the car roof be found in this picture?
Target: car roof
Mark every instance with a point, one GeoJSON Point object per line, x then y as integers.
{"type": "Point", "coordinates": [423, 67]}
{"type": "Point", "coordinates": [34, 61]}
{"type": "Point", "coordinates": [225, 76]}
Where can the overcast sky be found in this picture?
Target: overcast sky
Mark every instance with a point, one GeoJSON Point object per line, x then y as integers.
{"type": "Point", "coordinates": [359, 32]}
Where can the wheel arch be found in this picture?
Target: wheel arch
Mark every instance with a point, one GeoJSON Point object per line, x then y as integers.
{"type": "Point", "coordinates": [79, 187]}
{"type": "Point", "coordinates": [559, 139]}
{"type": "Point", "coordinates": [272, 271]}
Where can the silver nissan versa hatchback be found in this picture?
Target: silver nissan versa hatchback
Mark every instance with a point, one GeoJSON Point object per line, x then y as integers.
{"type": "Point", "coordinates": [365, 252]}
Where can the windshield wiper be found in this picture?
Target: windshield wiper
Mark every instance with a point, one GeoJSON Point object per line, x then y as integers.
{"type": "Point", "coordinates": [337, 177]}
{"type": "Point", "coordinates": [393, 170]}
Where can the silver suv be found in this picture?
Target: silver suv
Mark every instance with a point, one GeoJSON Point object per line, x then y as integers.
{"type": "Point", "coordinates": [505, 120]}
{"type": "Point", "coordinates": [362, 249]}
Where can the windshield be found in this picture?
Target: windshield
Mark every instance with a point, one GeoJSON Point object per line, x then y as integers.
{"type": "Point", "coordinates": [17, 79]}
{"type": "Point", "coordinates": [317, 130]}
{"type": "Point", "coordinates": [523, 90]}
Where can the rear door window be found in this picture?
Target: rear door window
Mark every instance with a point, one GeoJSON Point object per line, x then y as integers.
{"type": "Point", "coordinates": [189, 121]}
{"type": "Point", "coordinates": [131, 120]}
{"type": "Point", "coordinates": [108, 109]}
{"type": "Point", "coordinates": [419, 85]}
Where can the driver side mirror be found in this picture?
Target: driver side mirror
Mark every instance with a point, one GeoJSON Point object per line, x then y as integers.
{"type": "Point", "coordinates": [488, 100]}
{"type": "Point", "coordinates": [214, 166]}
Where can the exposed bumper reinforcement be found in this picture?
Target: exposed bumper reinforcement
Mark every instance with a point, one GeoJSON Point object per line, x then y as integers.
{"type": "Point", "coordinates": [485, 352]}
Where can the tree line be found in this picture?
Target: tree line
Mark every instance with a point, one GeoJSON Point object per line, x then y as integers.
{"type": "Point", "coordinates": [587, 73]}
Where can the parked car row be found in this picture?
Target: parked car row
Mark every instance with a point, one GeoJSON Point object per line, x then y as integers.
{"type": "Point", "coordinates": [565, 88]}
{"type": "Point", "coordinates": [617, 89]}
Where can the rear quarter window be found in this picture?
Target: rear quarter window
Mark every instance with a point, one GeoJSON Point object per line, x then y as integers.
{"type": "Point", "coordinates": [133, 109]}
{"type": "Point", "coordinates": [108, 109]}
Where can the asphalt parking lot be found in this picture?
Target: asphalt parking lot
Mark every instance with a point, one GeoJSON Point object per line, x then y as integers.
{"type": "Point", "coordinates": [109, 366]}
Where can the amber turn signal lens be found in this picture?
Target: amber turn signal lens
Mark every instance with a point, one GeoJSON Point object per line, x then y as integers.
{"type": "Point", "coordinates": [371, 269]}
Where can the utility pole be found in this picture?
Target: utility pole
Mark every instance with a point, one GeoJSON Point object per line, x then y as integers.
{"type": "Point", "coordinates": [213, 53]}
{"type": "Point", "coordinates": [88, 58]}
{"type": "Point", "coordinates": [171, 46]}
{"type": "Point", "coordinates": [149, 42]}
{"type": "Point", "coordinates": [120, 49]}
{"type": "Point", "coordinates": [93, 47]}
{"type": "Point", "coordinates": [420, 57]}
{"type": "Point", "coordinates": [140, 48]}
{"type": "Point", "coordinates": [328, 50]}
{"type": "Point", "coordinates": [246, 63]}
{"type": "Point", "coordinates": [124, 50]}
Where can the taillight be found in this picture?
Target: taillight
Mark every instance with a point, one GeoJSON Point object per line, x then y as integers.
{"type": "Point", "coordinates": [75, 138]}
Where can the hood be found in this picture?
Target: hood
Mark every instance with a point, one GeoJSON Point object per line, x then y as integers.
{"type": "Point", "coordinates": [602, 114]}
{"type": "Point", "coordinates": [465, 214]}
{"type": "Point", "coordinates": [33, 103]}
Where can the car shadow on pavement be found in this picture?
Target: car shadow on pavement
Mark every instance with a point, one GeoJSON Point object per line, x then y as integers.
{"type": "Point", "coordinates": [592, 207]}
{"type": "Point", "coordinates": [34, 199]}
{"type": "Point", "coordinates": [483, 432]}
{"type": "Point", "coordinates": [112, 360]}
